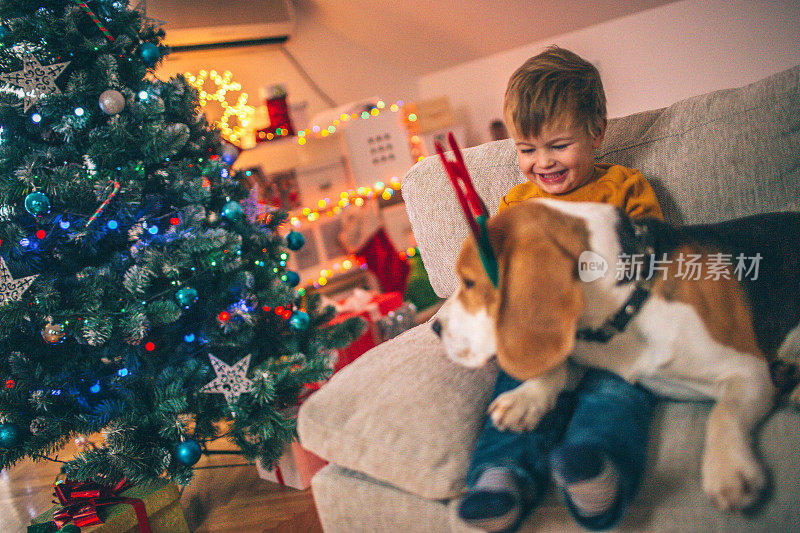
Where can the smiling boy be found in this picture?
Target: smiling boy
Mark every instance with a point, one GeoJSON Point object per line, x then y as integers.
{"type": "Point", "coordinates": [555, 110]}
{"type": "Point", "coordinates": [593, 443]}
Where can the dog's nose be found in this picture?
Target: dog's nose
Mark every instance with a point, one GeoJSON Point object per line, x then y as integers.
{"type": "Point", "coordinates": [437, 327]}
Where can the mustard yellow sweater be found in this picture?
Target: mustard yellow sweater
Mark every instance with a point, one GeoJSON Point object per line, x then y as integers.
{"type": "Point", "coordinates": [622, 187]}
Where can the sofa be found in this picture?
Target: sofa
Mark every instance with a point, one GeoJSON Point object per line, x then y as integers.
{"type": "Point", "coordinates": [398, 424]}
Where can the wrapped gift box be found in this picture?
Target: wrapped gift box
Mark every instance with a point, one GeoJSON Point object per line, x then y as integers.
{"type": "Point", "coordinates": [162, 503]}
{"type": "Point", "coordinates": [295, 467]}
{"type": "Point", "coordinates": [371, 307]}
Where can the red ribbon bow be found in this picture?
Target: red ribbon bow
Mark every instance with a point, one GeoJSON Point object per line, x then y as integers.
{"type": "Point", "coordinates": [81, 500]}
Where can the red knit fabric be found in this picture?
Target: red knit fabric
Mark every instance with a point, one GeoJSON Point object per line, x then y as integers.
{"type": "Point", "coordinates": [383, 260]}
{"type": "Point", "coordinates": [278, 111]}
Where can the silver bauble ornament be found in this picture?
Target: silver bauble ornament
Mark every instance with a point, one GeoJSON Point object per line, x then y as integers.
{"type": "Point", "coordinates": [178, 129]}
{"type": "Point", "coordinates": [53, 333]}
{"type": "Point", "coordinates": [111, 102]}
{"type": "Point", "coordinates": [38, 425]}
{"type": "Point", "coordinates": [228, 152]}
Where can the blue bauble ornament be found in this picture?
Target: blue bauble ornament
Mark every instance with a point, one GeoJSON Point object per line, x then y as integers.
{"type": "Point", "coordinates": [188, 452]}
{"type": "Point", "coordinates": [3, 32]}
{"type": "Point", "coordinates": [291, 278]}
{"type": "Point", "coordinates": [299, 320]}
{"type": "Point", "coordinates": [295, 240]}
{"type": "Point", "coordinates": [9, 434]}
{"type": "Point", "coordinates": [232, 211]}
{"type": "Point", "coordinates": [37, 204]}
{"type": "Point", "coordinates": [186, 296]}
{"type": "Point", "coordinates": [228, 153]}
{"type": "Point", "coordinates": [149, 54]}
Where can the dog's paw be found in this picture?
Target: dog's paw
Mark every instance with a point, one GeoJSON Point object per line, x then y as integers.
{"type": "Point", "coordinates": [732, 478]}
{"type": "Point", "coordinates": [521, 409]}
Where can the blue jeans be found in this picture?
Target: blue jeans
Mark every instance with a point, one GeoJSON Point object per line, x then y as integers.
{"type": "Point", "coordinates": [604, 411]}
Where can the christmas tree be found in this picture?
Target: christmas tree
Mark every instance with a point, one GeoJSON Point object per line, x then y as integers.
{"type": "Point", "coordinates": [136, 299]}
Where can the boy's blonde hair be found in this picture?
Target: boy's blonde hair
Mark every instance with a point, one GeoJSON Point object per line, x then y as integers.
{"type": "Point", "coordinates": [555, 87]}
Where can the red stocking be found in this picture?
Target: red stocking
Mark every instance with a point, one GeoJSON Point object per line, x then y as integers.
{"type": "Point", "coordinates": [383, 260]}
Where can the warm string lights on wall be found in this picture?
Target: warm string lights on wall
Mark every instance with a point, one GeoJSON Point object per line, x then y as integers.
{"type": "Point", "coordinates": [346, 265]}
{"type": "Point", "coordinates": [223, 85]}
{"type": "Point", "coordinates": [330, 206]}
{"type": "Point", "coordinates": [323, 131]}
{"type": "Point", "coordinates": [245, 113]}
{"type": "Point", "coordinates": [317, 130]}
{"type": "Point", "coordinates": [353, 197]}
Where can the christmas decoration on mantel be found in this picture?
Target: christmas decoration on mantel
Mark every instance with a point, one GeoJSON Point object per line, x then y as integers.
{"type": "Point", "coordinates": [353, 197]}
{"type": "Point", "coordinates": [130, 277]}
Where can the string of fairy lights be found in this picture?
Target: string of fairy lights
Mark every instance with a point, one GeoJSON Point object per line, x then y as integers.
{"type": "Point", "coordinates": [342, 266]}
{"type": "Point", "coordinates": [352, 197]}
{"type": "Point", "coordinates": [244, 113]}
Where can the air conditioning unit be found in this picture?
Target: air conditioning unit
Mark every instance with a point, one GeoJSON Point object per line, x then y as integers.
{"type": "Point", "coordinates": [204, 24]}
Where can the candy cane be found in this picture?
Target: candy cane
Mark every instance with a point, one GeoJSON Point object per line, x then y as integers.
{"type": "Point", "coordinates": [104, 204]}
{"type": "Point", "coordinates": [95, 19]}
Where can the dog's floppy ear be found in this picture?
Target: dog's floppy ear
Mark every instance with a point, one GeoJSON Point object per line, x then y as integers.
{"type": "Point", "coordinates": [540, 300]}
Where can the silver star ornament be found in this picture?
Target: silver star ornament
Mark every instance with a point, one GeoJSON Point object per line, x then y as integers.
{"type": "Point", "coordinates": [36, 80]}
{"type": "Point", "coordinates": [11, 289]}
{"type": "Point", "coordinates": [231, 380]}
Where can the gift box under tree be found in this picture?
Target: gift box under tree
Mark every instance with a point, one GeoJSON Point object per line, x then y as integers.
{"type": "Point", "coordinates": [295, 467]}
{"type": "Point", "coordinates": [87, 507]}
{"type": "Point", "coordinates": [370, 307]}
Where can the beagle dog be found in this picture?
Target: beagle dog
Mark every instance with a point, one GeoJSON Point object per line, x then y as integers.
{"type": "Point", "coordinates": [690, 312]}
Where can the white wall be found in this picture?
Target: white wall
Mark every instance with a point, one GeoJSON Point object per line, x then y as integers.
{"type": "Point", "coordinates": [647, 60]}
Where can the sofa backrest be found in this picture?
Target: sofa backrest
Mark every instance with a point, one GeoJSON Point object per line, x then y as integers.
{"type": "Point", "coordinates": [713, 157]}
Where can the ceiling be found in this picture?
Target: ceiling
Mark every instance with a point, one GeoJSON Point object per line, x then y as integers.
{"type": "Point", "coordinates": [422, 36]}
{"type": "Point", "coordinates": [426, 36]}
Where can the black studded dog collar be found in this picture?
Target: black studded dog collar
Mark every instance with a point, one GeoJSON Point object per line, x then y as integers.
{"type": "Point", "coordinates": [642, 244]}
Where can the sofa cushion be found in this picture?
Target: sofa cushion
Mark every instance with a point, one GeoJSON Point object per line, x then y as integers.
{"type": "Point", "coordinates": [713, 157]}
{"type": "Point", "coordinates": [402, 414]}
{"type": "Point", "coordinates": [670, 498]}
{"type": "Point", "coordinates": [436, 219]}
